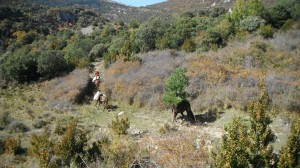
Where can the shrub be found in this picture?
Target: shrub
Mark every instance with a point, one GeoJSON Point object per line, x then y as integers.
{"type": "Point", "coordinates": [119, 126]}
{"type": "Point", "coordinates": [189, 45]}
{"type": "Point", "coordinates": [21, 66]}
{"type": "Point", "coordinates": [290, 152]}
{"type": "Point", "coordinates": [119, 152]}
{"type": "Point", "coordinates": [41, 147]}
{"type": "Point", "coordinates": [234, 147]}
{"type": "Point", "coordinates": [216, 12]}
{"type": "Point", "coordinates": [12, 145]}
{"type": "Point", "coordinates": [249, 144]}
{"type": "Point", "coordinates": [71, 145]}
{"type": "Point", "coordinates": [17, 127]}
{"type": "Point", "coordinates": [51, 64]}
{"type": "Point", "coordinates": [266, 31]}
{"type": "Point", "coordinates": [251, 23]}
{"type": "Point", "coordinates": [5, 119]}
{"type": "Point", "coordinates": [39, 124]}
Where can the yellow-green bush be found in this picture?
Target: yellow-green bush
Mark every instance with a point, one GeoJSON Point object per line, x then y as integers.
{"type": "Point", "coordinates": [119, 126]}
{"type": "Point", "coordinates": [42, 148]}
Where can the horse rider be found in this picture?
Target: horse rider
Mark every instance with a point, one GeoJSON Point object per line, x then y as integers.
{"type": "Point", "coordinates": [96, 76]}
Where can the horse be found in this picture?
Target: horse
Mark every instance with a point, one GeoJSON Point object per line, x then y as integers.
{"type": "Point", "coordinates": [97, 83]}
{"type": "Point", "coordinates": [184, 105]}
{"type": "Point", "coordinates": [103, 99]}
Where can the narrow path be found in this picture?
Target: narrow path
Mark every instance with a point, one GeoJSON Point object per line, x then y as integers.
{"type": "Point", "coordinates": [98, 66]}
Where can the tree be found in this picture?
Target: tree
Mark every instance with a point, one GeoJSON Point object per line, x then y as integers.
{"type": "Point", "coordinates": [290, 153]}
{"type": "Point", "coordinates": [234, 147]}
{"type": "Point", "coordinates": [51, 63]}
{"type": "Point", "coordinates": [175, 87]}
{"type": "Point", "coordinates": [261, 135]}
{"type": "Point", "coordinates": [249, 145]}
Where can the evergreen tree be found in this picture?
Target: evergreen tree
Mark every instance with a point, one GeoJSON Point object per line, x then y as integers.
{"type": "Point", "coordinates": [261, 135]}
{"type": "Point", "coordinates": [290, 153]}
{"type": "Point", "coordinates": [175, 87]}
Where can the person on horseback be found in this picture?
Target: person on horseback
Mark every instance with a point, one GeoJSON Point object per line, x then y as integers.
{"type": "Point", "coordinates": [97, 79]}
{"type": "Point", "coordinates": [96, 76]}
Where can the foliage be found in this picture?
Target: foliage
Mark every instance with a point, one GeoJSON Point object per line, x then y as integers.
{"type": "Point", "coordinates": [234, 150]}
{"type": "Point", "coordinates": [266, 31]}
{"type": "Point", "coordinates": [252, 23]}
{"type": "Point", "coordinates": [175, 87]}
{"type": "Point", "coordinates": [278, 15]}
{"type": "Point", "coordinates": [149, 33]}
{"type": "Point", "coordinates": [245, 144]}
{"type": "Point", "coordinates": [211, 40]}
{"type": "Point", "coordinates": [12, 145]}
{"type": "Point", "coordinates": [21, 65]}
{"type": "Point", "coordinates": [17, 127]}
{"type": "Point", "coordinates": [119, 126]}
{"type": "Point", "coordinates": [72, 143]}
{"type": "Point", "coordinates": [261, 151]}
{"type": "Point", "coordinates": [5, 119]}
{"type": "Point", "coordinates": [290, 153]}
{"type": "Point", "coordinates": [119, 151]}
{"type": "Point", "coordinates": [189, 45]}
{"type": "Point", "coordinates": [51, 63]}
{"type": "Point", "coordinates": [216, 12]}
{"type": "Point", "coordinates": [42, 148]}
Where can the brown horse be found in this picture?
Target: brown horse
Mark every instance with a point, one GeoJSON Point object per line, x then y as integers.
{"type": "Point", "coordinates": [97, 83]}
{"type": "Point", "coordinates": [103, 99]}
{"type": "Point", "coordinates": [181, 107]}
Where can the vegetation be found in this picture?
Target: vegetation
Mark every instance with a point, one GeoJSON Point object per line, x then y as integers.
{"type": "Point", "coordinates": [175, 87]}
{"type": "Point", "coordinates": [214, 58]}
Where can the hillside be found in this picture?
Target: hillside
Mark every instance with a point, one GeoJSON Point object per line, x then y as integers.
{"type": "Point", "coordinates": [237, 73]}
{"type": "Point", "coordinates": [110, 9]}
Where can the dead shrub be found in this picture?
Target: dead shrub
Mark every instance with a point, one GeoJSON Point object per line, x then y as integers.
{"type": "Point", "coordinates": [12, 145]}
{"type": "Point", "coordinates": [179, 151]}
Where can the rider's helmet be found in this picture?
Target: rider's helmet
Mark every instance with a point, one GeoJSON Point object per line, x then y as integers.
{"type": "Point", "coordinates": [97, 73]}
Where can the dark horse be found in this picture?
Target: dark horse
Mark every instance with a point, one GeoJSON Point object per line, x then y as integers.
{"type": "Point", "coordinates": [103, 99]}
{"type": "Point", "coordinates": [181, 107]}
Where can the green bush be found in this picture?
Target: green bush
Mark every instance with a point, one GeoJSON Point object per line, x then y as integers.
{"type": "Point", "coordinates": [119, 126]}
{"type": "Point", "coordinates": [72, 144]}
{"type": "Point", "coordinates": [175, 87]}
{"type": "Point", "coordinates": [267, 31]}
{"type": "Point", "coordinates": [42, 148]}
{"type": "Point", "coordinates": [251, 23]}
{"type": "Point", "coordinates": [51, 63]}
{"type": "Point", "coordinates": [216, 12]}
{"type": "Point", "coordinates": [290, 153]}
{"type": "Point", "coordinates": [246, 144]}
{"type": "Point", "coordinates": [189, 45]}
{"type": "Point", "coordinates": [21, 65]}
